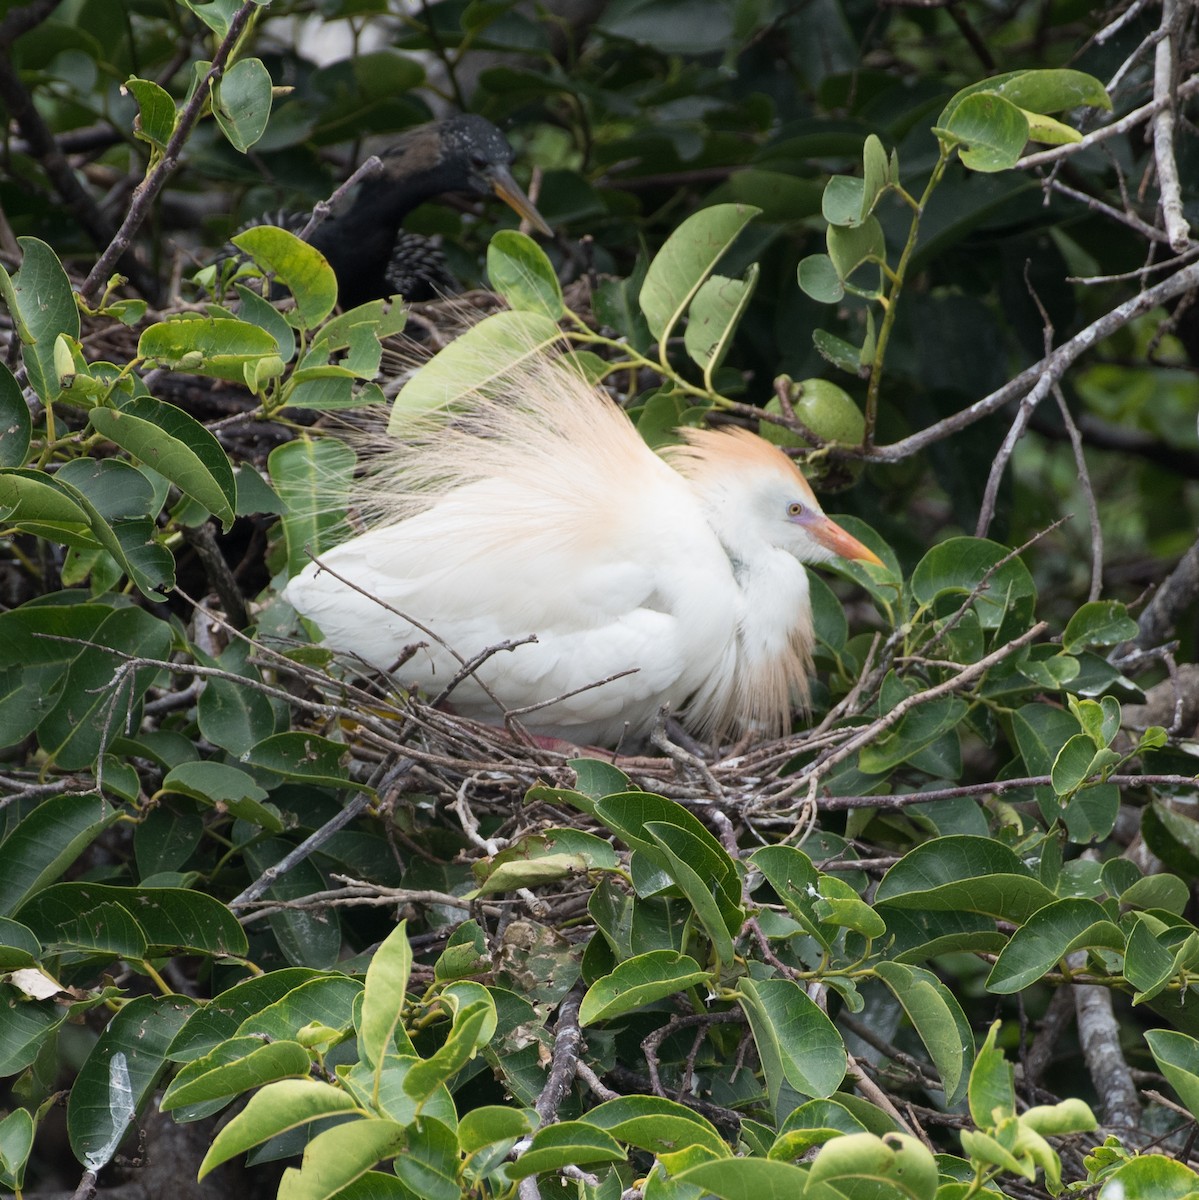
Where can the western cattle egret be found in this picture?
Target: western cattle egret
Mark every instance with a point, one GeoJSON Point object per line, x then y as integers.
{"type": "Point", "coordinates": [360, 238]}
{"type": "Point", "coordinates": [542, 511]}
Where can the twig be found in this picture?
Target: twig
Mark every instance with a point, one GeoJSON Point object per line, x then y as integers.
{"type": "Point", "coordinates": [568, 1041]}
{"type": "Point", "coordinates": [1165, 61]}
{"type": "Point", "coordinates": [1123, 125]}
{"type": "Point", "coordinates": [147, 191]}
{"type": "Point", "coordinates": [372, 168]}
{"type": "Point", "coordinates": [1088, 492]}
{"type": "Point", "coordinates": [309, 845]}
{"type": "Point", "coordinates": [869, 733]}
{"type": "Point", "coordinates": [1053, 365]}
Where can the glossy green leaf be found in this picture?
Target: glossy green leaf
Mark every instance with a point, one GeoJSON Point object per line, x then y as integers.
{"type": "Point", "coordinates": [992, 1092]}
{"type": "Point", "coordinates": [970, 567]}
{"type": "Point", "coordinates": [1151, 1175]}
{"type": "Point", "coordinates": [175, 920]}
{"type": "Point", "coordinates": [567, 1143]}
{"type": "Point", "coordinates": [241, 102]}
{"type": "Point", "coordinates": [46, 842]}
{"type": "Point", "coordinates": [383, 1001]}
{"type": "Point", "coordinates": [238, 1066]}
{"type": "Point", "coordinates": [962, 872]}
{"type": "Point", "coordinates": [274, 1109]}
{"type": "Point", "coordinates": [656, 1125]}
{"type": "Point", "coordinates": [819, 279]}
{"type": "Point", "coordinates": [897, 1162]}
{"type": "Point", "coordinates": [938, 1018]}
{"type": "Point", "coordinates": [1047, 937]}
{"type": "Point", "coordinates": [301, 268]}
{"type": "Point", "coordinates": [177, 446]}
{"type": "Point", "coordinates": [851, 248]}
{"type": "Point", "coordinates": [686, 259]}
{"type": "Point", "coordinates": [218, 783]}
{"type": "Point", "coordinates": [520, 271]}
{"type": "Point", "coordinates": [750, 1179]}
{"type": "Point", "coordinates": [474, 362]}
{"type": "Point", "coordinates": [712, 319]}
{"type": "Point", "coordinates": [796, 1041]}
{"type": "Point", "coordinates": [42, 305]}
{"type": "Point", "coordinates": [301, 756]}
{"type": "Point", "coordinates": [640, 981]}
{"type": "Point", "coordinates": [1099, 623]}
{"type": "Point", "coordinates": [1177, 1055]}
{"type": "Point", "coordinates": [120, 1073]}
{"type": "Point", "coordinates": [156, 112]}
{"type": "Point", "coordinates": [16, 425]}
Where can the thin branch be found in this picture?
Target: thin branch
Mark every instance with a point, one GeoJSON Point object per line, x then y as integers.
{"type": "Point", "coordinates": [147, 191]}
{"type": "Point", "coordinates": [1165, 63]}
{"type": "Point", "coordinates": [1053, 365]}
{"type": "Point", "coordinates": [1129, 121]}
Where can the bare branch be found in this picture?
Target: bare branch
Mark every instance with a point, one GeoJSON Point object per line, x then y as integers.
{"type": "Point", "coordinates": [1165, 64]}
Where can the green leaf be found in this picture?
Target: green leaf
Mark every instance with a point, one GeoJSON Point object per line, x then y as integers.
{"type": "Point", "coordinates": [1177, 1054]}
{"type": "Point", "coordinates": [177, 446]}
{"type": "Point", "coordinates": [241, 102]}
{"type": "Point", "coordinates": [896, 1162]}
{"type": "Point", "coordinates": [1151, 1175]}
{"type": "Point", "coordinates": [218, 783]}
{"type": "Point", "coordinates": [120, 1073]}
{"type": "Point", "coordinates": [1049, 91]}
{"type": "Point", "coordinates": [16, 1142]}
{"type": "Point", "coordinates": [820, 280]}
{"type": "Point", "coordinates": [962, 566]}
{"type": "Point", "coordinates": [238, 1065]}
{"type": "Point", "coordinates": [568, 1143]}
{"type": "Point", "coordinates": [175, 920]}
{"type": "Point", "coordinates": [843, 201]}
{"type": "Point", "coordinates": [487, 353]}
{"type": "Point", "coordinates": [47, 841]}
{"type": "Point", "coordinates": [988, 131]}
{"type": "Point", "coordinates": [470, 1032]}
{"type": "Point", "coordinates": [278, 1107]}
{"type": "Point", "coordinates": [713, 317]}
{"type": "Point", "coordinates": [1047, 937]}
{"type": "Point", "coordinates": [876, 174]}
{"type": "Point", "coordinates": [301, 268]}
{"type": "Point", "coordinates": [219, 347]}
{"type": "Point", "coordinates": [851, 248]}
{"type": "Point", "coordinates": [42, 306]}
{"type": "Point", "coordinates": [1099, 623]}
{"type": "Point", "coordinates": [796, 1041]}
{"type": "Point", "coordinates": [304, 756]}
{"type": "Point", "coordinates": [964, 873]}
{"type": "Point", "coordinates": [16, 425]}
{"type": "Point", "coordinates": [743, 1178]}
{"type": "Point", "coordinates": [686, 259]}
{"type": "Point", "coordinates": [838, 351]}
{"type": "Point", "coordinates": [640, 981]}
{"type": "Point", "coordinates": [520, 271]}
{"type": "Point", "coordinates": [992, 1092]}
{"type": "Point", "coordinates": [312, 477]}
{"type": "Point", "coordinates": [383, 999]}
{"type": "Point", "coordinates": [656, 1125]}
{"type": "Point", "coordinates": [156, 112]}
{"type": "Point", "coordinates": [939, 1020]}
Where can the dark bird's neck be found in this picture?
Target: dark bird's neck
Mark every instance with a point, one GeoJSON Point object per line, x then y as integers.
{"type": "Point", "coordinates": [358, 237]}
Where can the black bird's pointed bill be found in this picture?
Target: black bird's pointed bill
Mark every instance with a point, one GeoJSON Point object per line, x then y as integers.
{"type": "Point", "coordinates": [509, 191]}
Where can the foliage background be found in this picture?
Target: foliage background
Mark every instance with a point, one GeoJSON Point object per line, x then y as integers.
{"type": "Point", "coordinates": [157, 766]}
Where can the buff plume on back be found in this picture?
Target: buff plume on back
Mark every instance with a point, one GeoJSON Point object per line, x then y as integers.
{"type": "Point", "coordinates": [538, 509]}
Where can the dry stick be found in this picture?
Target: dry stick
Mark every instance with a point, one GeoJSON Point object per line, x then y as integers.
{"type": "Point", "coordinates": [203, 541]}
{"type": "Point", "coordinates": [869, 732]}
{"type": "Point", "coordinates": [1054, 365]}
{"type": "Point", "coordinates": [994, 787]}
{"type": "Point", "coordinates": [147, 191]}
{"type": "Point", "coordinates": [1023, 415]}
{"type": "Point", "coordinates": [1088, 492]}
{"type": "Point", "coordinates": [371, 169]}
{"type": "Point", "coordinates": [1165, 62]}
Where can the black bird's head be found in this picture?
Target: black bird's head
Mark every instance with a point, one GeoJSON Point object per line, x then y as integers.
{"type": "Point", "coordinates": [465, 153]}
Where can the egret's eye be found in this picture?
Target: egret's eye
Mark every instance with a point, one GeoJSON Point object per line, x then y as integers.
{"type": "Point", "coordinates": [794, 509]}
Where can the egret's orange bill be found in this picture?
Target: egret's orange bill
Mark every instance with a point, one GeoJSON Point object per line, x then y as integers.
{"type": "Point", "coordinates": [832, 537]}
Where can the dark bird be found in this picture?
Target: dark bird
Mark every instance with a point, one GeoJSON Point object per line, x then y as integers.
{"type": "Point", "coordinates": [361, 238]}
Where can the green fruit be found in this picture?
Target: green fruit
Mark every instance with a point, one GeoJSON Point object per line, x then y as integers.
{"type": "Point", "coordinates": [827, 410]}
